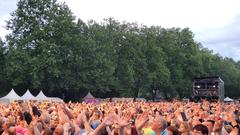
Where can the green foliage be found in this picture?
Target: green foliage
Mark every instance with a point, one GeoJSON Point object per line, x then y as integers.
{"type": "Point", "coordinates": [47, 49]}
{"type": "Point", "coordinates": [39, 44]}
{"type": "Point", "coordinates": [2, 63]}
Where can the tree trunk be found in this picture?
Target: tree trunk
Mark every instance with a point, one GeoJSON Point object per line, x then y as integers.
{"type": "Point", "coordinates": [136, 89]}
{"type": "Point", "coordinates": [179, 93]}
{"type": "Point", "coordinates": [153, 94]}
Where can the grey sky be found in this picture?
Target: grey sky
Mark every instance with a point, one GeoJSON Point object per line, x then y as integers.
{"type": "Point", "coordinates": [215, 23]}
{"type": "Point", "coordinates": [224, 40]}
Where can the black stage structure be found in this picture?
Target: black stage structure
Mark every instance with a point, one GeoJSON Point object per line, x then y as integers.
{"type": "Point", "coordinates": [211, 88]}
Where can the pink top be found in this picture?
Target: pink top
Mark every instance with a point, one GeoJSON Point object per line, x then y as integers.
{"type": "Point", "coordinates": [22, 131]}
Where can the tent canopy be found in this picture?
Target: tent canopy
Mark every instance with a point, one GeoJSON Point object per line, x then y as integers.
{"type": "Point", "coordinates": [227, 99]}
{"type": "Point", "coordinates": [10, 97]}
{"type": "Point", "coordinates": [55, 99]}
{"type": "Point", "coordinates": [13, 96]}
{"type": "Point", "coordinates": [28, 96]}
{"type": "Point", "coordinates": [89, 98]}
{"type": "Point", "coordinates": [41, 96]}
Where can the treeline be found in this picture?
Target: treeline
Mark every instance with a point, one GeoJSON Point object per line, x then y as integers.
{"type": "Point", "coordinates": [49, 50]}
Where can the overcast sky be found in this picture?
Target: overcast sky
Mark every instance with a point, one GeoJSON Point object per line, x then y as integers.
{"type": "Point", "coordinates": [215, 23]}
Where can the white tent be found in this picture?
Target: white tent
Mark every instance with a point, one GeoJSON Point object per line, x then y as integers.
{"type": "Point", "coordinates": [227, 99]}
{"type": "Point", "coordinates": [141, 99]}
{"type": "Point", "coordinates": [28, 96]}
{"type": "Point", "coordinates": [10, 97]}
{"type": "Point", "coordinates": [41, 96]}
{"type": "Point", "coordinates": [55, 99]}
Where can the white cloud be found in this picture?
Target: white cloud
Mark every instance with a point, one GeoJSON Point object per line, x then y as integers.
{"type": "Point", "coordinates": [6, 7]}
{"type": "Point", "coordinates": [196, 14]}
{"type": "Point", "coordinates": [3, 30]}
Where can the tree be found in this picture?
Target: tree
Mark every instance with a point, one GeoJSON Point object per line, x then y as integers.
{"type": "Point", "coordinates": [99, 60]}
{"type": "Point", "coordinates": [157, 71]}
{"type": "Point", "coordinates": [3, 82]}
{"type": "Point", "coordinates": [47, 49]}
{"type": "Point", "coordinates": [39, 44]}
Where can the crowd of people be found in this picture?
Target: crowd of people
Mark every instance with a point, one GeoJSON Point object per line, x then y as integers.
{"type": "Point", "coordinates": [120, 118]}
